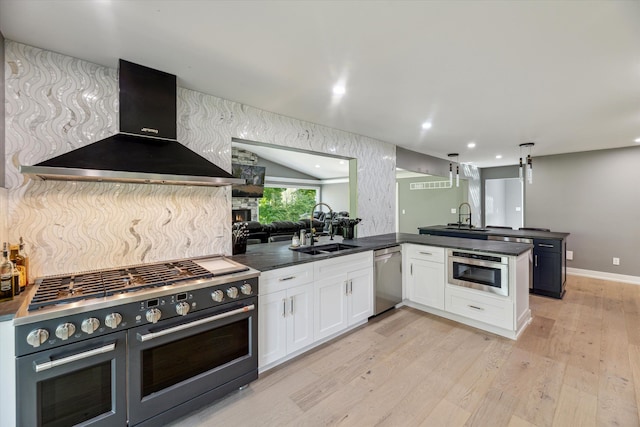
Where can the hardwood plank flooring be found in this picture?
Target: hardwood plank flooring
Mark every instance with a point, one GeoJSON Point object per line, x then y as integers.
{"type": "Point", "coordinates": [577, 364]}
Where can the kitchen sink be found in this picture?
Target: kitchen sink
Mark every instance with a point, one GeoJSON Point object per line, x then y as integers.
{"type": "Point", "coordinates": [466, 229]}
{"type": "Point", "coordinates": [324, 249]}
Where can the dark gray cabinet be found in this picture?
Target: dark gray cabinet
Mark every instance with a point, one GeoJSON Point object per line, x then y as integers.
{"type": "Point", "coordinates": [549, 272]}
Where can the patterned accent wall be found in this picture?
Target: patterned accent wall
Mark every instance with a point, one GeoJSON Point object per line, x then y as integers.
{"type": "Point", "coordinates": [55, 103]}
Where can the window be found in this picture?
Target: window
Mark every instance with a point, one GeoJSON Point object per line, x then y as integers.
{"type": "Point", "coordinates": [286, 204]}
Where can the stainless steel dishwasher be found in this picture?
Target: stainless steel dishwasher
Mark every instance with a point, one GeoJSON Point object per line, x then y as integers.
{"type": "Point", "coordinates": [388, 278]}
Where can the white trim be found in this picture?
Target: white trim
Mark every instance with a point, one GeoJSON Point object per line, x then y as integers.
{"type": "Point", "coordinates": [335, 180]}
{"type": "Point", "coordinates": [635, 280]}
{"type": "Point", "coordinates": [269, 179]}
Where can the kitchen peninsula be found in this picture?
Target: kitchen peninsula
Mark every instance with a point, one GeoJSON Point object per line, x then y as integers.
{"type": "Point", "coordinates": [306, 299]}
{"type": "Point", "coordinates": [549, 260]}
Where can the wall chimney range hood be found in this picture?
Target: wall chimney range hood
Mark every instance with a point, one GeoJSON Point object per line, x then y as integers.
{"type": "Point", "coordinates": [145, 150]}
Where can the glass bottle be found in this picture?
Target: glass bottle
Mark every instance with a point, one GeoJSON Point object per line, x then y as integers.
{"type": "Point", "coordinates": [6, 276]}
{"type": "Point", "coordinates": [22, 264]}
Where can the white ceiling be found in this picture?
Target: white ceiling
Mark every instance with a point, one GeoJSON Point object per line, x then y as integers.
{"type": "Point", "coordinates": [564, 74]}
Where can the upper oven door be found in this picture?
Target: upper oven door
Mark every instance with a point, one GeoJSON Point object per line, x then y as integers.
{"type": "Point", "coordinates": [76, 384]}
{"type": "Point", "coordinates": [483, 275]}
{"type": "Point", "coordinates": [177, 360]}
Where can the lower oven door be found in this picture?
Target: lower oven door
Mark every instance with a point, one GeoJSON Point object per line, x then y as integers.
{"type": "Point", "coordinates": [76, 384]}
{"type": "Point", "coordinates": [180, 364]}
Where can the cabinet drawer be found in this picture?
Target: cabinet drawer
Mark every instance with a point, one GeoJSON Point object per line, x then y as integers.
{"type": "Point", "coordinates": [343, 264]}
{"type": "Point", "coordinates": [285, 278]}
{"type": "Point", "coordinates": [474, 305]}
{"type": "Point", "coordinates": [426, 253]}
{"type": "Point", "coordinates": [547, 245]}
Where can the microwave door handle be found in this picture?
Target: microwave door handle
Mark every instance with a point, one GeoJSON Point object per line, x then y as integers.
{"type": "Point", "coordinates": [39, 367]}
{"type": "Point", "coordinates": [152, 335]}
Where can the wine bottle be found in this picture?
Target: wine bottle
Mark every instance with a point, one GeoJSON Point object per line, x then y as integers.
{"type": "Point", "coordinates": [22, 263]}
{"type": "Point", "coordinates": [6, 276]}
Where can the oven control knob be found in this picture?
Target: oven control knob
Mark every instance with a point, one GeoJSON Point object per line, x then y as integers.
{"type": "Point", "coordinates": [65, 330]}
{"type": "Point", "coordinates": [37, 337]}
{"type": "Point", "coordinates": [217, 296]}
{"type": "Point", "coordinates": [246, 289]}
{"type": "Point", "coordinates": [153, 315]}
{"type": "Point", "coordinates": [90, 325]}
{"type": "Point", "coordinates": [182, 308]}
{"type": "Point", "coordinates": [113, 320]}
{"type": "Point", "coordinates": [232, 292]}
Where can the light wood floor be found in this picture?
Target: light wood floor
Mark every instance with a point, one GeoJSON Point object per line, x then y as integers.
{"type": "Point", "coordinates": [578, 364]}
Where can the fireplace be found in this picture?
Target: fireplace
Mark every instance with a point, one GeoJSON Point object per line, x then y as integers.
{"type": "Point", "coordinates": [241, 215]}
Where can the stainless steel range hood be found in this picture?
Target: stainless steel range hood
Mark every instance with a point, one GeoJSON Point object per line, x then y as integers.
{"type": "Point", "coordinates": [146, 149]}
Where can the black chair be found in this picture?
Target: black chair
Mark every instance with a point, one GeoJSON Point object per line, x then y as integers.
{"type": "Point", "coordinates": [500, 226]}
{"type": "Point", "coordinates": [534, 229]}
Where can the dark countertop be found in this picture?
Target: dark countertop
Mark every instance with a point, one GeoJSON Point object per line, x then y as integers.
{"type": "Point", "coordinates": [531, 234]}
{"type": "Point", "coordinates": [269, 256]}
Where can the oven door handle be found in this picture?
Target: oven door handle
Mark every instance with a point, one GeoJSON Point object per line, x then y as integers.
{"type": "Point", "coordinates": [39, 367]}
{"type": "Point", "coordinates": [152, 335]}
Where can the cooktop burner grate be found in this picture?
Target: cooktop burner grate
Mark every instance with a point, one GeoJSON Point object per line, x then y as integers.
{"type": "Point", "coordinates": [66, 289]}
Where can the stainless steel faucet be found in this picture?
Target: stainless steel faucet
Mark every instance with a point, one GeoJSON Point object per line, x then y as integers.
{"type": "Point", "coordinates": [460, 214]}
{"type": "Point", "coordinates": [330, 221]}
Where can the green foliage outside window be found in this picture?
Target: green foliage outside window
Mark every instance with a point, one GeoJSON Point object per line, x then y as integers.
{"type": "Point", "coordinates": [285, 204]}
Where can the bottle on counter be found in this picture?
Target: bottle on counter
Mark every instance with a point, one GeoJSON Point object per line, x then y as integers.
{"type": "Point", "coordinates": [16, 279]}
{"type": "Point", "coordinates": [6, 276]}
{"type": "Point", "coordinates": [22, 263]}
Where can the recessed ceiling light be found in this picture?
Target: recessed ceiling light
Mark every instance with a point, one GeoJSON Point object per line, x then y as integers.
{"type": "Point", "coordinates": [499, 156]}
{"type": "Point", "coordinates": [637, 140]}
{"type": "Point", "coordinates": [317, 166]}
{"type": "Point", "coordinates": [426, 125]}
{"type": "Point", "coordinates": [342, 162]}
{"type": "Point", "coordinates": [471, 145]}
{"type": "Point", "coordinates": [339, 90]}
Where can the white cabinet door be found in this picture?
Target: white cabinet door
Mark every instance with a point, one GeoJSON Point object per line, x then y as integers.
{"type": "Point", "coordinates": [360, 299]}
{"type": "Point", "coordinates": [272, 327]}
{"type": "Point", "coordinates": [426, 283]}
{"type": "Point", "coordinates": [299, 317]}
{"type": "Point", "coordinates": [330, 305]}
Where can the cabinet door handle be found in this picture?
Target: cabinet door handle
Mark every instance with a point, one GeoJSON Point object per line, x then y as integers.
{"type": "Point", "coordinates": [411, 269]}
{"type": "Point", "coordinates": [535, 257]}
{"type": "Point", "coordinates": [291, 306]}
{"type": "Point", "coordinates": [346, 287]}
{"type": "Point", "coordinates": [425, 253]}
{"type": "Point", "coordinates": [544, 245]}
{"type": "Point", "coordinates": [351, 287]}
{"type": "Point", "coordinates": [284, 307]}
{"type": "Point", "coordinates": [282, 279]}
{"type": "Point", "coordinates": [475, 307]}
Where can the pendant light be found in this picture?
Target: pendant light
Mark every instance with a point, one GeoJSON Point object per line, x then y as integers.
{"type": "Point", "coordinates": [450, 155]}
{"type": "Point", "coordinates": [528, 163]}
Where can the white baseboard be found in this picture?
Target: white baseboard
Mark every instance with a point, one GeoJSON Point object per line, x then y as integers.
{"type": "Point", "coordinates": [635, 280]}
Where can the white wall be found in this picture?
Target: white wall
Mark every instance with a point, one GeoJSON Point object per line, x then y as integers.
{"type": "Point", "coordinates": [55, 103]}
{"type": "Point", "coordinates": [336, 196]}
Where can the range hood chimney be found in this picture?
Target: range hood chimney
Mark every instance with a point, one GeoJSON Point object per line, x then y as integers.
{"type": "Point", "coordinates": [145, 150]}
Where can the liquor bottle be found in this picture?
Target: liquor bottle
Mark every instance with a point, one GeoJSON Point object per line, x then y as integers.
{"type": "Point", "coordinates": [16, 279]}
{"type": "Point", "coordinates": [22, 264]}
{"type": "Point", "coordinates": [6, 276]}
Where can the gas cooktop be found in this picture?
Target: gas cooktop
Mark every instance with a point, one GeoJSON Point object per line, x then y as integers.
{"type": "Point", "coordinates": [64, 289]}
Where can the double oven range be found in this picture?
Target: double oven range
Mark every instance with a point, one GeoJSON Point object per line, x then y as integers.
{"type": "Point", "coordinates": [140, 345]}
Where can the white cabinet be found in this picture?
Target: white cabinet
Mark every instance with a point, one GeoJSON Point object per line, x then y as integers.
{"type": "Point", "coordinates": [425, 275]}
{"type": "Point", "coordinates": [343, 293]}
{"type": "Point", "coordinates": [285, 312]}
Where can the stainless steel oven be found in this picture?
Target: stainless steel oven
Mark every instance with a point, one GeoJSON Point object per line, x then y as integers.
{"type": "Point", "coordinates": [138, 345]}
{"type": "Point", "coordinates": [483, 271]}
{"type": "Point", "coordinates": [176, 365]}
{"type": "Point", "coordinates": [74, 384]}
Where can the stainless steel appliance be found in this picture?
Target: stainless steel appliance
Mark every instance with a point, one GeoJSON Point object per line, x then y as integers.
{"type": "Point", "coordinates": [519, 240]}
{"type": "Point", "coordinates": [139, 345]}
{"type": "Point", "coordinates": [483, 271]}
{"type": "Point", "coordinates": [388, 278]}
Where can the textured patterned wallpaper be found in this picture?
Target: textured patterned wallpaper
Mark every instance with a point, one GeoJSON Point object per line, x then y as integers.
{"type": "Point", "coordinates": [56, 103]}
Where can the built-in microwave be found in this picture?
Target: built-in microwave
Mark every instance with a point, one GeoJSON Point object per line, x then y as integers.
{"type": "Point", "coordinates": [485, 272]}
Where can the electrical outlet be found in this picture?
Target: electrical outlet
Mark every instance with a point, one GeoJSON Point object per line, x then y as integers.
{"type": "Point", "coordinates": [569, 255]}
{"type": "Point", "coordinates": [453, 210]}
{"type": "Point", "coordinates": [616, 261]}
